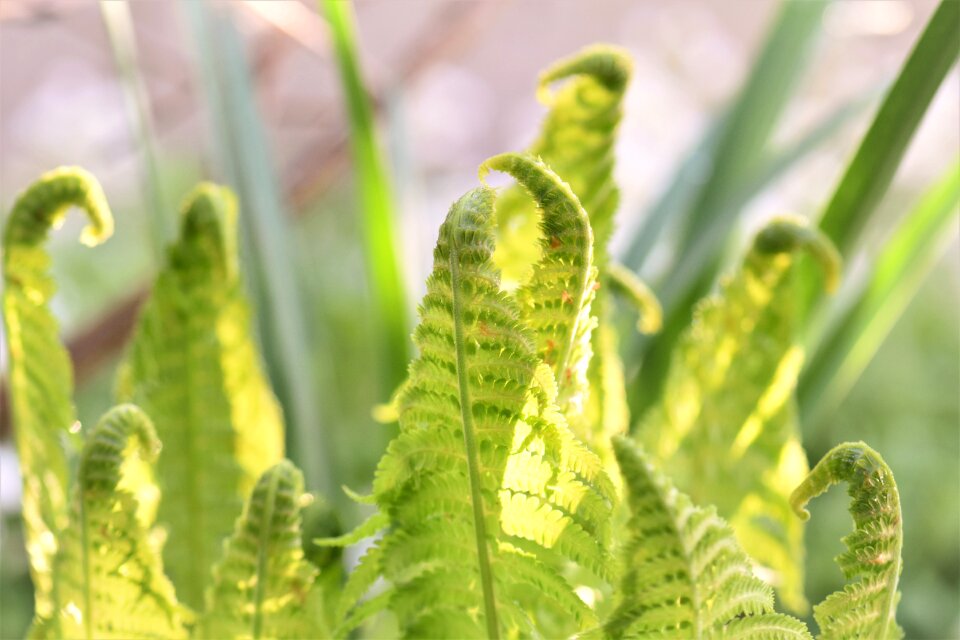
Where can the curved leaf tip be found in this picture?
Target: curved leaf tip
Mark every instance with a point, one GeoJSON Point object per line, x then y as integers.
{"type": "Point", "coordinates": [852, 462]}
{"type": "Point", "coordinates": [609, 65]}
{"type": "Point", "coordinates": [209, 224]}
{"type": "Point", "coordinates": [43, 204]}
{"type": "Point", "coordinates": [102, 456]}
{"type": "Point", "coordinates": [789, 233]}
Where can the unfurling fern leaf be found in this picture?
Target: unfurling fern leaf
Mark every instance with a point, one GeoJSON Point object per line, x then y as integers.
{"type": "Point", "coordinates": [41, 377]}
{"type": "Point", "coordinates": [686, 577]}
{"type": "Point", "coordinates": [263, 587]}
{"type": "Point", "coordinates": [726, 423]}
{"type": "Point", "coordinates": [486, 492]}
{"type": "Point", "coordinates": [194, 368]}
{"type": "Point", "coordinates": [108, 574]}
{"type": "Point", "coordinates": [865, 609]}
{"type": "Point", "coordinates": [576, 141]}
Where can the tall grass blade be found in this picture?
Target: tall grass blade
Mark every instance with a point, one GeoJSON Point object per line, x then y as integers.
{"type": "Point", "coordinates": [912, 250]}
{"type": "Point", "coordinates": [119, 24]}
{"type": "Point", "coordinates": [376, 200]}
{"type": "Point", "coordinates": [870, 172]}
{"type": "Point", "coordinates": [242, 147]}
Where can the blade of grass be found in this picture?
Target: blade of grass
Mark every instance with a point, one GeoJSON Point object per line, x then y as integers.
{"type": "Point", "coordinates": [872, 169]}
{"type": "Point", "coordinates": [119, 25]}
{"type": "Point", "coordinates": [909, 254]}
{"type": "Point", "coordinates": [245, 158]}
{"type": "Point", "coordinates": [707, 224]}
{"type": "Point", "coordinates": [376, 200]}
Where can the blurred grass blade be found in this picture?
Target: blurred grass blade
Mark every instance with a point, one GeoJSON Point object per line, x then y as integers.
{"type": "Point", "coordinates": [120, 31]}
{"type": "Point", "coordinates": [872, 168]}
{"type": "Point", "coordinates": [739, 152]}
{"type": "Point", "coordinates": [905, 260]}
{"type": "Point", "coordinates": [376, 200]}
{"type": "Point", "coordinates": [754, 116]}
{"type": "Point", "coordinates": [245, 157]}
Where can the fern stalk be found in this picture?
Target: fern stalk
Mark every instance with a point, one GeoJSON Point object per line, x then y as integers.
{"type": "Point", "coordinates": [489, 604]}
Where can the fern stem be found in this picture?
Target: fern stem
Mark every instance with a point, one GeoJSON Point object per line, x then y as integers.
{"type": "Point", "coordinates": [263, 556]}
{"type": "Point", "coordinates": [486, 577]}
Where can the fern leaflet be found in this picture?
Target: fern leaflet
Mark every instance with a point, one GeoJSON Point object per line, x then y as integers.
{"type": "Point", "coordinates": [686, 576]}
{"type": "Point", "coordinates": [726, 423]}
{"type": "Point", "coordinates": [263, 587]}
{"type": "Point", "coordinates": [194, 368]}
{"type": "Point", "coordinates": [41, 377]}
{"type": "Point", "coordinates": [576, 140]}
{"type": "Point", "coordinates": [108, 572]}
{"type": "Point", "coordinates": [865, 609]}
{"type": "Point", "coordinates": [487, 493]}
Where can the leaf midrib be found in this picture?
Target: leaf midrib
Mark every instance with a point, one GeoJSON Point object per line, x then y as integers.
{"type": "Point", "coordinates": [486, 577]}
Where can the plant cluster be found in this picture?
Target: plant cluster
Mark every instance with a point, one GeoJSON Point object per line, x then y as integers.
{"type": "Point", "coordinates": [514, 500]}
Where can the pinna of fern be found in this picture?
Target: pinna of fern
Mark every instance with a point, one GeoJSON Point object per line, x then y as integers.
{"type": "Point", "coordinates": [107, 572]}
{"type": "Point", "coordinates": [485, 493]}
{"type": "Point", "coordinates": [726, 426]}
{"type": "Point", "coordinates": [41, 377]}
{"type": "Point", "coordinates": [577, 140]}
{"type": "Point", "coordinates": [866, 608]}
{"type": "Point", "coordinates": [194, 368]}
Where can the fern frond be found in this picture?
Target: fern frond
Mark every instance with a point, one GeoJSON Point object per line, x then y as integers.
{"type": "Point", "coordinates": [263, 587]}
{"type": "Point", "coordinates": [686, 577]}
{"type": "Point", "coordinates": [576, 140]}
{"type": "Point", "coordinates": [487, 492]}
{"type": "Point", "coordinates": [726, 422]}
{"type": "Point", "coordinates": [194, 368]}
{"type": "Point", "coordinates": [866, 608]}
{"type": "Point", "coordinates": [108, 572]}
{"type": "Point", "coordinates": [555, 301]}
{"type": "Point", "coordinates": [41, 376]}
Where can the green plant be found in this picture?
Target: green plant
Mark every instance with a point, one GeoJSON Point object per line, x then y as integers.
{"type": "Point", "coordinates": [512, 501]}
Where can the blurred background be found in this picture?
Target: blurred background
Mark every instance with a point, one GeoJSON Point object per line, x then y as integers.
{"type": "Point", "coordinates": [155, 96]}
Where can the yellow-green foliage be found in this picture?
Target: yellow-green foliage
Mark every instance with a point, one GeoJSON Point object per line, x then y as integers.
{"type": "Point", "coordinates": [263, 587]}
{"type": "Point", "coordinates": [41, 378]}
{"type": "Point", "coordinates": [495, 514]}
{"type": "Point", "coordinates": [577, 142]}
{"type": "Point", "coordinates": [486, 493]}
{"type": "Point", "coordinates": [686, 577]}
{"type": "Point", "coordinates": [194, 369]}
{"type": "Point", "coordinates": [107, 573]}
{"type": "Point", "coordinates": [866, 608]}
{"type": "Point", "coordinates": [726, 424]}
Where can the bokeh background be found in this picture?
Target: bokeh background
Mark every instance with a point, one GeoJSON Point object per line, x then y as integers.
{"type": "Point", "coordinates": [149, 101]}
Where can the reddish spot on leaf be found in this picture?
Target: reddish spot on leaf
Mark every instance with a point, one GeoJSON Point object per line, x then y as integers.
{"type": "Point", "coordinates": [554, 242]}
{"type": "Point", "coordinates": [566, 297]}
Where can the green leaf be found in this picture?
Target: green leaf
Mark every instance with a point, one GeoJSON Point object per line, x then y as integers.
{"type": "Point", "coordinates": [577, 142]}
{"type": "Point", "coordinates": [41, 377]}
{"type": "Point", "coordinates": [686, 575]}
{"type": "Point", "coordinates": [193, 366]}
{"type": "Point", "coordinates": [733, 161]}
{"type": "Point", "coordinates": [487, 492]}
{"type": "Point", "coordinates": [118, 21]}
{"type": "Point", "coordinates": [866, 607]}
{"type": "Point", "coordinates": [555, 301]}
{"type": "Point", "coordinates": [725, 425]}
{"type": "Point", "coordinates": [263, 587]}
{"type": "Point", "coordinates": [245, 162]}
{"type": "Point", "coordinates": [870, 172]}
{"type": "Point", "coordinates": [108, 571]}
{"type": "Point", "coordinates": [376, 199]}
{"type": "Point", "coordinates": [899, 269]}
